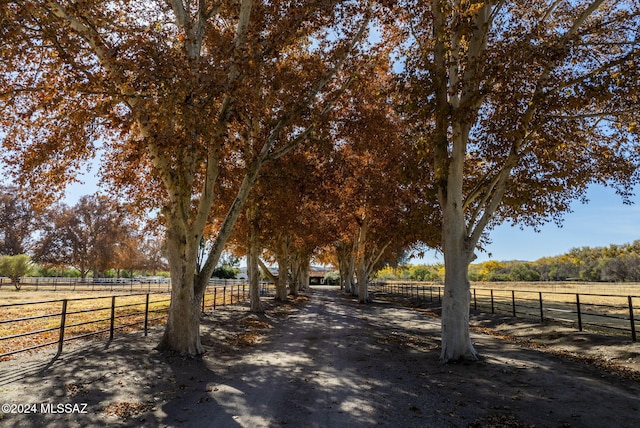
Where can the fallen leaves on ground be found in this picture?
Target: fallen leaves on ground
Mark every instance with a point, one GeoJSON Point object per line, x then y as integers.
{"type": "Point", "coordinates": [126, 410]}
{"type": "Point", "coordinates": [417, 342]}
{"type": "Point", "coordinates": [298, 300]}
{"type": "Point", "coordinates": [254, 323]}
{"type": "Point", "coordinates": [73, 388]}
{"type": "Point", "coordinates": [246, 339]}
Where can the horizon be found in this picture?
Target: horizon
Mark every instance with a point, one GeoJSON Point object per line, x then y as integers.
{"type": "Point", "coordinates": [605, 220]}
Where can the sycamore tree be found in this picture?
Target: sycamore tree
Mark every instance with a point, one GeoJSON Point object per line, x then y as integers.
{"type": "Point", "coordinates": [178, 95]}
{"type": "Point", "coordinates": [381, 211]}
{"type": "Point", "coordinates": [89, 236]}
{"type": "Point", "coordinates": [18, 222]}
{"type": "Point", "coordinates": [517, 106]}
{"type": "Point", "coordinates": [297, 214]}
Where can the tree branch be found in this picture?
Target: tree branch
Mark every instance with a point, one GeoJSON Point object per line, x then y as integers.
{"type": "Point", "coordinates": [599, 114]}
{"type": "Point", "coordinates": [267, 272]}
{"type": "Point", "coordinates": [493, 197]}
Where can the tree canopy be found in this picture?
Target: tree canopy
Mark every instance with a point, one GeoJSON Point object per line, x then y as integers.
{"type": "Point", "coordinates": [517, 107]}
{"type": "Point", "coordinates": [17, 222]}
{"type": "Point", "coordinates": [188, 100]}
{"type": "Point", "coordinates": [475, 112]}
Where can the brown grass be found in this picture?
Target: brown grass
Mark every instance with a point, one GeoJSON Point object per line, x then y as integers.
{"type": "Point", "coordinates": [87, 313]}
{"type": "Point", "coordinates": [602, 288]}
{"type": "Point", "coordinates": [611, 299]}
{"type": "Point", "coordinates": [84, 316]}
{"type": "Point", "coordinates": [604, 307]}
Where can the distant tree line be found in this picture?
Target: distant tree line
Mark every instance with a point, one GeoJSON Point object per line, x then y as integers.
{"type": "Point", "coordinates": [97, 235]}
{"type": "Point", "coordinates": [615, 263]}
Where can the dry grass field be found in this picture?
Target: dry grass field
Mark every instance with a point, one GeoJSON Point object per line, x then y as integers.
{"type": "Point", "coordinates": [33, 318]}
{"type": "Point", "coordinates": [608, 308]}
{"type": "Point", "coordinates": [605, 299]}
{"type": "Point", "coordinates": [601, 288]}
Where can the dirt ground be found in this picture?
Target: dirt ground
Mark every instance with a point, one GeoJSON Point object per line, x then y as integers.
{"type": "Point", "coordinates": [325, 361]}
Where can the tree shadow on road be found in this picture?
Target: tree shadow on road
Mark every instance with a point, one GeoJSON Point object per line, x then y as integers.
{"type": "Point", "coordinates": [328, 361]}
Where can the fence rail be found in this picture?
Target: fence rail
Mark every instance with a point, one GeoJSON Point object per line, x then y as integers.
{"type": "Point", "coordinates": [143, 284]}
{"type": "Point", "coordinates": [28, 326]}
{"type": "Point", "coordinates": [612, 314]}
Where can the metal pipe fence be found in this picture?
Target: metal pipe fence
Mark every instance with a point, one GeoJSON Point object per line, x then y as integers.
{"type": "Point", "coordinates": [29, 326]}
{"type": "Point", "coordinates": [141, 284]}
{"type": "Point", "coordinates": [612, 314]}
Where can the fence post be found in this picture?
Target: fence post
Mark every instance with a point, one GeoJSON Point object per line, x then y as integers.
{"type": "Point", "coordinates": [146, 315]}
{"type": "Point", "coordinates": [579, 312]}
{"type": "Point", "coordinates": [204, 296]}
{"type": "Point", "coordinates": [475, 300]}
{"type": "Point", "coordinates": [215, 297]}
{"type": "Point", "coordinates": [439, 296]}
{"type": "Point", "coordinates": [63, 320]}
{"type": "Point", "coordinates": [224, 295]}
{"type": "Point", "coordinates": [492, 307]}
{"type": "Point", "coordinates": [513, 302]}
{"type": "Point", "coordinates": [113, 317]}
{"type": "Point", "coordinates": [633, 323]}
{"type": "Point", "coordinates": [541, 312]}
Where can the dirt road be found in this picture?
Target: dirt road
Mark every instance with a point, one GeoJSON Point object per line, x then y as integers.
{"type": "Point", "coordinates": [321, 362]}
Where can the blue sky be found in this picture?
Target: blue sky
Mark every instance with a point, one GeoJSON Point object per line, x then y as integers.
{"type": "Point", "coordinates": [604, 220]}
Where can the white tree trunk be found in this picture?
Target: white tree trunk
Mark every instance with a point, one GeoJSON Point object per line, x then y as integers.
{"type": "Point", "coordinates": [346, 267]}
{"type": "Point", "coordinates": [296, 273]}
{"type": "Point", "coordinates": [456, 341]}
{"type": "Point", "coordinates": [283, 277]}
{"type": "Point", "coordinates": [182, 331]}
{"type": "Point", "coordinates": [280, 284]}
{"type": "Point", "coordinates": [363, 289]}
{"type": "Point", "coordinates": [304, 266]}
{"type": "Point", "coordinates": [253, 270]}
